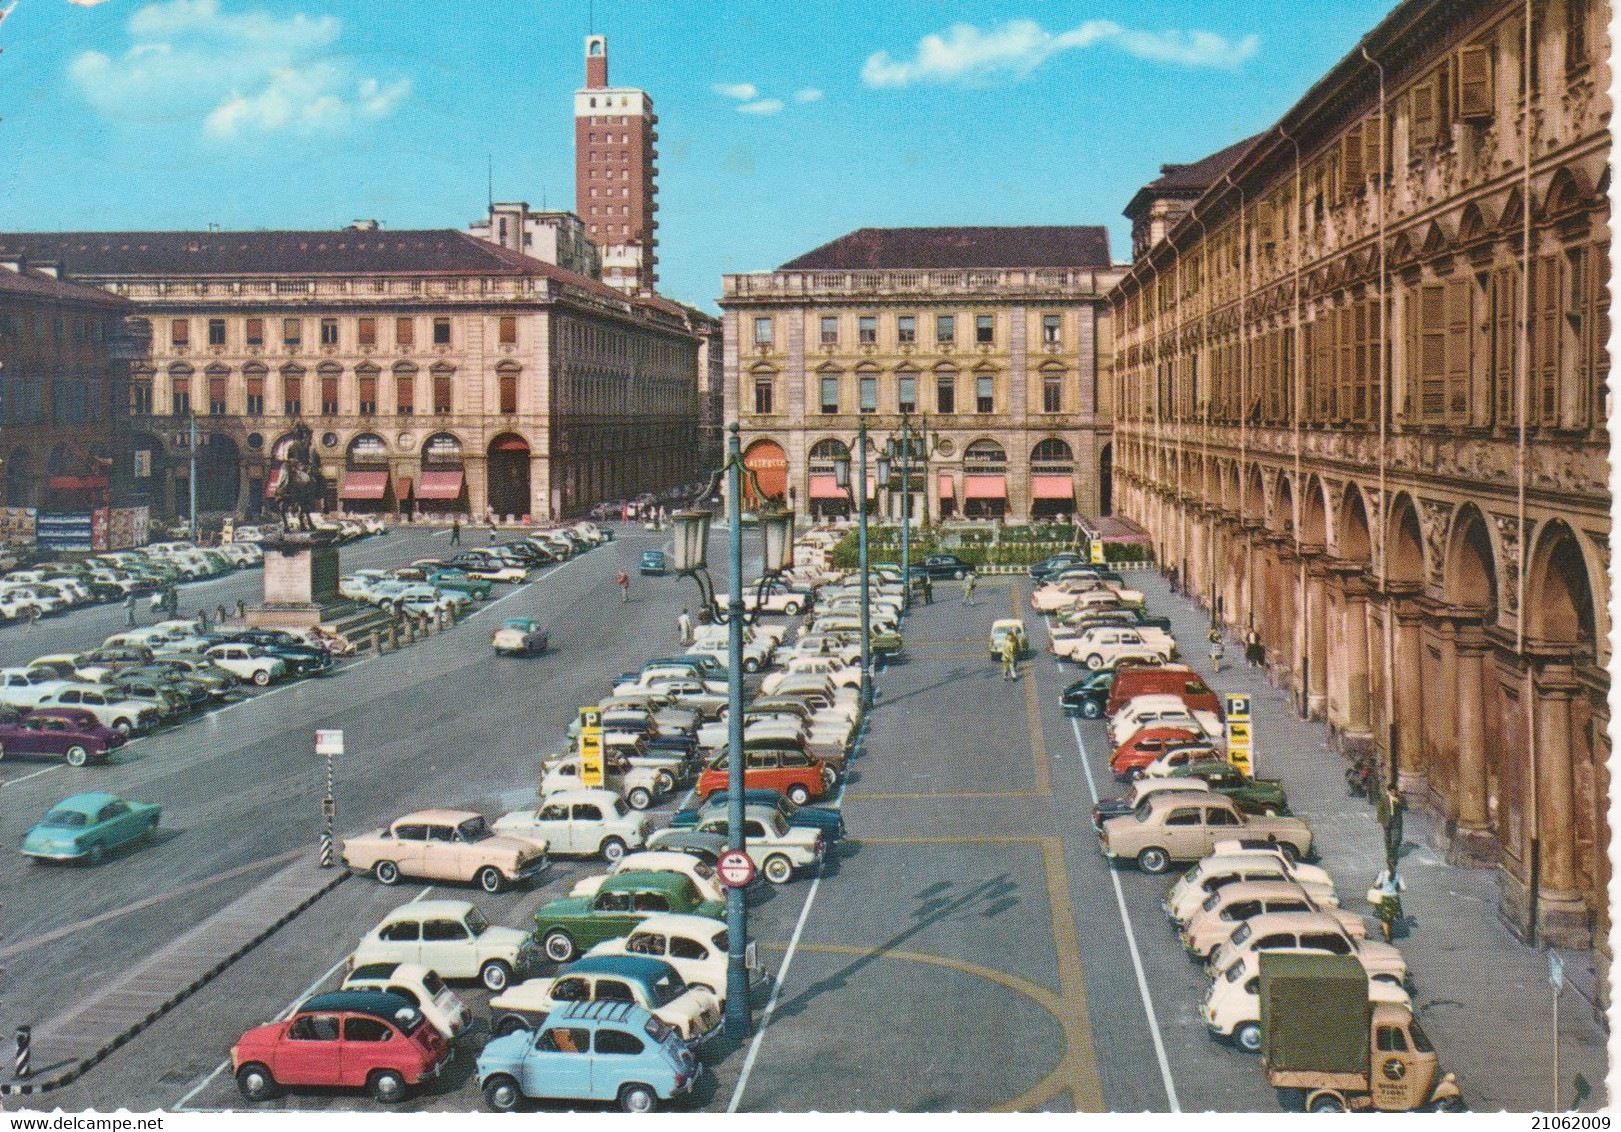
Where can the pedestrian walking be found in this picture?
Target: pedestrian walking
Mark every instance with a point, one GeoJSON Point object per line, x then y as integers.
{"type": "Point", "coordinates": [241, 610]}
{"type": "Point", "coordinates": [968, 589]}
{"type": "Point", "coordinates": [624, 586]}
{"type": "Point", "coordinates": [33, 618]}
{"type": "Point", "coordinates": [455, 532]}
{"type": "Point", "coordinates": [1395, 807]}
{"type": "Point", "coordinates": [1010, 658]}
{"type": "Point", "coordinates": [202, 619]}
{"type": "Point", "coordinates": [684, 625]}
{"type": "Point", "coordinates": [928, 591]}
{"type": "Point", "coordinates": [129, 611]}
{"type": "Point", "coordinates": [1385, 896]}
{"type": "Point", "coordinates": [1254, 651]}
{"type": "Point", "coordinates": [1217, 649]}
{"type": "Point", "coordinates": [221, 613]}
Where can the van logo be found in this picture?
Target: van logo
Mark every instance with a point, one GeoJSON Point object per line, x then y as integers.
{"type": "Point", "coordinates": [1394, 1069]}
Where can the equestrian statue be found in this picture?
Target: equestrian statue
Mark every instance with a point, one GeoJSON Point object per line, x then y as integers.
{"type": "Point", "coordinates": [301, 487]}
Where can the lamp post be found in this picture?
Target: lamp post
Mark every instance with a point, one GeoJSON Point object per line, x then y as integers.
{"type": "Point", "coordinates": [841, 475]}
{"type": "Point", "coordinates": [691, 548]}
{"type": "Point", "coordinates": [906, 511]}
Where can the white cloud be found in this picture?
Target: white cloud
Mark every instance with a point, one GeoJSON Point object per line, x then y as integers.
{"type": "Point", "coordinates": [741, 91]}
{"type": "Point", "coordinates": [809, 94]}
{"type": "Point", "coordinates": [761, 106]}
{"type": "Point", "coordinates": [87, 3]}
{"type": "Point", "coordinates": [234, 73]}
{"type": "Point", "coordinates": [967, 55]}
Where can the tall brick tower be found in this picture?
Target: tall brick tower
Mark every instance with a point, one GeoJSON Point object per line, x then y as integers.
{"type": "Point", "coordinates": [615, 177]}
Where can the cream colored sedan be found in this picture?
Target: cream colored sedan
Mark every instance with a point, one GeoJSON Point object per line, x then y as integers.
{"type": "Point", "coordinates": [1224, 910]}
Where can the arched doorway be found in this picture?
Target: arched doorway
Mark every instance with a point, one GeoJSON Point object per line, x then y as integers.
{"type": "Point", "coordinates": [20, 486]}
{"type": "Point", "coordinates": [768, 462]}
{"type": "Point", "coordinates": [441, 487]}
{"type": "Point", "coordinates": [1052, 479]}
{"type": "Point", "coordinates": [1469, 587]}
{"type": "Point", "coordinates": [218, 479]}
{"type": "Point", "coordinates": [1106, 480]}
{"type": "Point", "coordinates": [827, 499]}
{"type": "Point", "coordinates": [984, 465]}
{"type": "Point", "coordinates": [366, 486]}
{"type": "Point", "coordinates": [508, 475]}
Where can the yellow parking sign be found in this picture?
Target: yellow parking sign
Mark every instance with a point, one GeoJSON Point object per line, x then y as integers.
{"type": "Point", "coordinates": [593, 772]}
{"type": "Point", "coordinates": [1240, 743]}
{"type": "Point", "coordinates": [1097, 552]}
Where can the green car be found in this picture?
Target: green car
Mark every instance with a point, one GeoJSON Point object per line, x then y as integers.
{"type": "Point", "coordinates": [575, 924]}
{"type": "Point", "coordinates": [85, 826]}
{"type": "Point", "coordinates": [1252, 795]}
{"type": "Point", "coordinates": [449, 578]}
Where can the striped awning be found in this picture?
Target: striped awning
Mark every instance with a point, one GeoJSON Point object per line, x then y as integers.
{"type": "Point", "coordinates": [984, 487]}
{"type": "Point", "coordinates": [440, 484]}
{"type": "Point", "coordinates": [364, 485]}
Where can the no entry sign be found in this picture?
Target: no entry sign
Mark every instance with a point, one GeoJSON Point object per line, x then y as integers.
{"type": "Point", "coordinates": [735, 869]}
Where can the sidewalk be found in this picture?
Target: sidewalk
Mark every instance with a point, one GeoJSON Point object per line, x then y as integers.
{"type": "Point", "coordinates": [1482, 995]}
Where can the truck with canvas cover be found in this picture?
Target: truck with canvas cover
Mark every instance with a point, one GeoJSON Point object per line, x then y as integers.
{"type": "Point", "coordinates": [1326, 1047]}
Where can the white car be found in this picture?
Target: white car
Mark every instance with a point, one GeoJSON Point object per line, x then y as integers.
{"type": "Point", "coordinates": [777, 598]}
{"type": "Point", "coordinates": [1065, 640]}
{"type": "Point", "coordinates": [692, 1012]}
{"type": "Point", "coordinates": [1230, 864]}
{"type": "Point", "coordinates": [26, 687]}
{"type": "Point", "coordinates": [755, 655]}
{"type": "Point", "coordinates": [1232, 1005]}
{"type": "Point", "coordinates": [1105, 646]}
{"type": "Point", "coordinates": [1159, 710]}
{"type": "Point", "coordinates": [580, 823]}
{"type": "Point", "coordinates": [696, 946]}
{"type": "Point", "coordinates": [451, 937]}
{"type": "Point", "coordinates": [699, 872]}
{"type": "Point", "coordinates": [493, 570]}
{"type": "Point", "coordinates": [640, 786]}
{"type": "Point", "coordinates": [111, 708]}
{"type": "Point", "coordinates": [841, 674]}
{"type": "Point", "coordinates": [248, 662]}
{"type": "Point", "coordinates": [650, 679]}
{"type": "Point", "coordinates": [421, 987]}
{"type": "Point", "coordinates": [816, 644]}
{"type": "Point", "coordinates": [775, 847]}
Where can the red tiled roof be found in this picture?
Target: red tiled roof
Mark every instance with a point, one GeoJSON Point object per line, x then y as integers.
{"type": "Point", "coordinates": [38, 285]}
{"type": "Point", "coordinates": [877, 249]}
{"type": "Point", "coordinates": [1191, 180]}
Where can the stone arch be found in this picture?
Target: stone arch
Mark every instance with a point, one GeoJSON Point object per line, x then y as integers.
{"type": "Point", "coordinates": [1314, 514]}
{"type": "Point", "coordinates": [1106, 480]}
{"type": "Point", "coordinates": [1512, 216]}
{"type": "Point", "coordinates": [1254, 505]}
{"type": "Point", "coordinates": [769, 463]}
{"type": "Point", "coordinates": [1283, 506]}
{"type": "Point", "coordinates": [1404, 548]}
{"type": "Point", "coordinates": [1353, 539]}
{"type": "Point", "coordinates": [1052, 450]}
{"type": "Point", "coordinates": [1558, 600]}
{"type": "Point", "coordinates": [507, 475]}
{"type": "Point", "coordinates": [1469, 571]}
{"type": "Point", "coordinates": [1569, 191]}
{"type": "Point", "coordinates": [1472, 226]}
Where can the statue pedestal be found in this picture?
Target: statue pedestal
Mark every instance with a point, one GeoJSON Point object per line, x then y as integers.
{"type": "Point", "coordinates": [301, 582]}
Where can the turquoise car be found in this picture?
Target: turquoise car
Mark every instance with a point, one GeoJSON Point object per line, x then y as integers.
{"type": "Point", "coordinates": [85, 826]}
{"type": "Point", "coordinates": [450, 578]}
{"type": "Point", "coordinates": [609, 1051]}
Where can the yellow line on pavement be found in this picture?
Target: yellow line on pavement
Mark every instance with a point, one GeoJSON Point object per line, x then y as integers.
{"type": "Point", "coordinates": [1032, 711]}
{"type": "Point", "coordinates": [947, 794]}
{"type": "Point", "coordinates": [1008, 840]}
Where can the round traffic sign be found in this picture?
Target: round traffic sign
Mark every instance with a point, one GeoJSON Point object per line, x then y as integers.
{"type": "Point", "coordinates": [735, 869]}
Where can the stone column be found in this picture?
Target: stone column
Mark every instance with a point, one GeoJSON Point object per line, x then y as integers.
{"type": "Point", "coordinates": [1315, 634]}
{"type": "Point", "coordinates": [1472, 842]}
{"type": "Point", "coordinates": [1354, 664]}
{"type": "Point", "coordinates": [1561, 913]}
{"type": "Point", "coordinates": [1409, 696]}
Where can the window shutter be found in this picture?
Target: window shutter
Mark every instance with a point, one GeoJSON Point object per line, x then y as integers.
{"type": "Point", "coordinates": [1344, 356]}
{"type": "Point", "coordinates": [1459, 349]}
{"type": "Point", "coordinates": [1359, 361]}
{"type": "Point", "coordinates": [1373, 147]}
{"type": "Point", "coordinates": [1505, 346]}
{"type": "Point", "coordinates": [1325, 366]}
{"type": "Point", "coordinates": [1351, 161]}
{"type": "Point", "coordinates": [1432, 349]}
{"type": "Point", "coordinates": [1474, 69]}
{"type": "Point", "coordinates": [1375, 359]}
{"type": "Point", "coordinates": [1308, 407]}
{"type": "Point", "coordinates": [1421, 120]}
{"type": "Point", "coordinates": [1546, 279]}
{"type": "Point", "coordinates": [1263, 225]}
{"type": "Point", "coordinates": [1596, 324]}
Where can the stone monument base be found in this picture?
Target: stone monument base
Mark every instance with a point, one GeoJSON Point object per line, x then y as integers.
{"type": "Point", "coordinates": [300, 582]}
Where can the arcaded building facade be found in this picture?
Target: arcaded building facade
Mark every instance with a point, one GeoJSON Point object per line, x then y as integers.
{"type": "Point", "coordinates": [439, 374]}
{"type": "Point", "coordinates": [1361, 406]}
{"type": "Point", "coordinates": [989, 344]}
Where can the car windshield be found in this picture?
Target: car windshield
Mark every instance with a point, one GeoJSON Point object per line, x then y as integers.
{"type": "Point", "coordinates": [476, 923]}
{"type": "Point", "coordinates": [65, 819]}
{"type": "Point", "coordinates": [1234, 973]}
{"type": "Point", "coordinates": [667, 990]}
{"type": "Point", "coordinates": [1242, 935]}
{"type": "Point", "coordinates": [432, 983]}
{"type": "Point", "coordinates": [1143, 811]}
{"type": "Point", "coordinates": [1421, 1040]}
{"type": "Point", "coordinates": [1211, 901]}
{"type": "Point", "coordinates": [473, 829]}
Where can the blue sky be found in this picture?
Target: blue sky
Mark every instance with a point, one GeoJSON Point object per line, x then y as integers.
{"type": "Point", "coordinates": [783, 124]}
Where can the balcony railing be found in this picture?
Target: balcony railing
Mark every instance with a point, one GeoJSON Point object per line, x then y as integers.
{"type": "Point", "coordinates": [1034, 281]}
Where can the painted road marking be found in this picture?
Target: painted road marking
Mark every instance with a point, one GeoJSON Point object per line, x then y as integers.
{"type": "Point", "coordinates": [34, 774]}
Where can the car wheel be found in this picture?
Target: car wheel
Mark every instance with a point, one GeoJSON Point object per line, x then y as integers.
{"type": "Point", "coordinates": [508, 1024]}
{"type": "Point", "coordinates": [255, 1083]}
{"type": "Point", "coordinates": [1248, 1037]}
{"type": "Point", "coordinates": [791, 609]}
{"type": "Point", "coordinates": [779, 869]}
{"type": "Point", "coordinates": [612, 849]}
{"type": "Point", "coordinates": [386, 872]}
{"type": "Point", "coordinates": [751, 664]}
{"type": "Point", "coordinates": [1326, 1102]}
{"type": "Point", "coordinates": [1153, 861]}
{"type": "Point", "coordinates": [1290, 853]}
{"type": "Point", "coordinates": [262, 677]}
{"type": "Point", "coordinates": [637, 1097]}
{"type": "Point", "coordinates": [1091, 709]}
{"type": "Point", "coordinates": [122, 726]}
{"type": "Point", "coordinates": [665, 782]}
{"type": "Point", "coordinates": [76, 755]}
{"type": "Point", "coordinates": [386, 1086]}
{"type": "Point", "coordinates": [501, 1094]}
{"type": "Point", "coordinates": [639, 798]}
{"type": "Point", "coordinates": [559, 947]}
{"type": "Point", "coordinates": [798, 795]}
{"type": "Point", "coordinates": [495, 975]}
{"type": "Point", "coordinates": [2, 752]}
{"type": "Point", "coordinates": [1094, 662]}
{"type": "Point", "coordinates": [490, 879]}
{"type": "Point", "coordinates": [1449, 1104]}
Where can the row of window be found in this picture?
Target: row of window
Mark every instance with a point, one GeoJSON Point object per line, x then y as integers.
{"type": "Point", "coordinates": [328, 331]}
{"type": "Point", "coordinates": [293, 390]}
{"type": "Point", "coordinates": [64, 401]}
{"type": "Point", "coordinates": [905, 394]}
{"type": "Point", "coordinates": [40, 327]}
{"type": "Point", "coordinates": [945, 330]}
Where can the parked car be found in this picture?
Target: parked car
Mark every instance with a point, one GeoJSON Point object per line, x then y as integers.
{"type": "Point", "coordinates": [1231, 1008]}
{"type": "Point", "coordinates": [1086, 696]}
{"type": "Point", "coordinates": [41, 733]}
{"type": "Point", "coordinates": [1109, 646]}
{"type": "Point", "coordinates": [590, 1051]}
{"type": "Point", "coordinates": [519, 636]}
{"type": "Point", "coordinates": [696, 946]}
{"type": "Point", "coordinates": [1304, 931]}
{"type": "Point", "coordinates": [777, 848]}
{"type": "Point", "coordinates": [1133, 680]}
{"type": "Point", "coordinates": [573, 924]}
{"type": "Point", "coordinates": [451, 937]}
{"type": "Point", "coordinates": [825, 820]}
{"type": "Point", "coordinates": [349, 1039]}
{"type": "Point", "coordinates": [797, 776]}
{"type": "Point", "coordinates": [1174, 827]}
{"type": "Point", "coordinates": [1004, 627]}
{"type": "Point", "coordinates": [653, 563]}
{"type": "Point", "coordinates": [1133, 757]}
{"type": "Point", "coordinates": [639, 786]}
{"type": "Point", "coordinates": [1057, 562]}
{"type": "Point", "coordinates": [1230, 864]}
{"type": "Point", "coordinates": [1221, 913]}
{"type": "Point", "coordinates": [421, 987]}
{"type": "Point", "coordinates": [941, 566]}
{"type": "Point", "coordinates": [249, 663]}
{"type": "Point", "coordinates": [580, 823]}
{"type": "Point", "coordinates": [650, 983]}
{"type": "Point", "coordinates": [85, 827]}
{"type": "Point", "coordinates": [112, 708]}
{"type": "Point", "coordinates": [1253, 795]}
{"type": "Point", "coordinates": [452, 845]}
{"type": "Point", "coordinates": [1142, 789]}
{"type": "Point", "coordinates": [1161, 709]}
{"type": "Point", "coordinates": [690, 865]}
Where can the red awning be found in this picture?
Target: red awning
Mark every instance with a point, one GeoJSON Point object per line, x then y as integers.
{"type": "Point", "coordinates": [984, 487]}
{"type": "Point", "coordinates": [76, 483]}
{"type": "Point", "coordinates": [275, 483]}
{"type": "Point", "coordinates": [441, 484]}
{"type": "Point", "coordinates": [363, 485]}
{"type": "Point", "coordinates": [402, 488]}
{"type": "Point", "coordinates": [1051, 487]}
{"type": "Point", "coordinates": [826, 487]}
{"type": "Point", "coordinates": [948, 487]}
{"type": "Point", "coordinates": [511, 444]}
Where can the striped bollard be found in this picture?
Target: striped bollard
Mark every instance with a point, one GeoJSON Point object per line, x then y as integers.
{"type": "Point", "coordinates": [25, 1040]}
{"type": "Point", "coordinates": [329, 808]}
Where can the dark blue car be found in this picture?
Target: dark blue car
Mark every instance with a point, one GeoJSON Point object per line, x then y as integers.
{"type": "Point", "coordinates": [653, 562]}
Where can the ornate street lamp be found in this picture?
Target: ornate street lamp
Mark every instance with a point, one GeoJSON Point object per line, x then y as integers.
{"type": "Point", "coordinates": [841, 476]}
